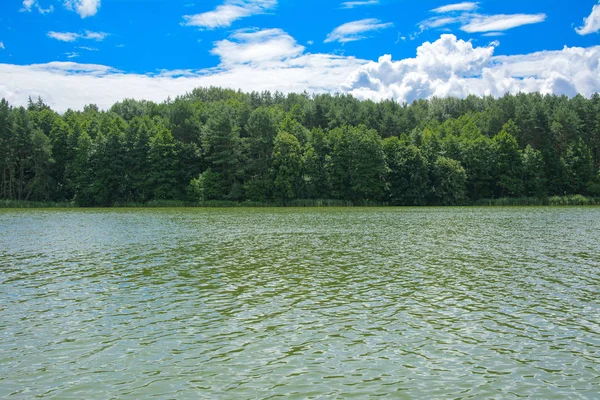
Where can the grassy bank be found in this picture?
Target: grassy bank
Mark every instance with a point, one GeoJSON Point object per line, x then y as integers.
{"type": "Point", "coordinates": [34, 204]}
{"type": "Point", "coordinates": [248, 203]}
{"type": "Point", "coordinates": [208, 204]}
{"type": "Point", "coordinates": [575, 200]}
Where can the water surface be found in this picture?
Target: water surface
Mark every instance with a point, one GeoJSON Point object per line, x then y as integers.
{"type": "Point", "coordinates": [304, 303]}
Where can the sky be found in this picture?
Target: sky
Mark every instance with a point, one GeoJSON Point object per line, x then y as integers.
{"type": "Point", "coordinates": [77, 52]}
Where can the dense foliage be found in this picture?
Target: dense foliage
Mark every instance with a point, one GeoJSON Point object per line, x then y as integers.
{"type": "Point", "coordinates": [218, 144]}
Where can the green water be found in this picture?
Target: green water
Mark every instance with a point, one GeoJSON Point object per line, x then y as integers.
{"type": "Point", "coordinates": [304, 303]}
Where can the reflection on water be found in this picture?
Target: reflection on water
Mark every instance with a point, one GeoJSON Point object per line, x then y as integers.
{"type": "Point", "coordinates": [404, 303]}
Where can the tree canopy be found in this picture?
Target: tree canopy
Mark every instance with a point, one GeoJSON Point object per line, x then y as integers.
{"type": "Point", "coordinates": [221, 144]}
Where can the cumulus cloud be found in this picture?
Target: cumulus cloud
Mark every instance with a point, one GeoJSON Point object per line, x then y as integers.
{"type": "Point", "coordinates": [85, 8]}
{"type": "Point", "coordinates": [465, 6]}
{"type": "Point", "coordinates": [71, 36]}
{"type": "Point", "coordinates": [359, 3]}
{"type": "Point", "coordinates": [257, 47]}
{"type": "Point", "coordinates": [28, 5]}
{"type": "Point", "coordinates": [225, 14]}
{"type": "Point", "coordinates": [355, 30]}
{"type": "Point", "coordinates": [272, 60]}
{"type": "Point", "coordinates": [591, 24]}
{"type": "Point", "coordinates": [452, 67]}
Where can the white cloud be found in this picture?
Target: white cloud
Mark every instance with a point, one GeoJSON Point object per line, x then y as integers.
{"type": "Point", "coordinates": [45, 10]}
{"type": "Point", "coordinates": [63, 36]}
{"type": "Point", "coordinates": [359, 3]}
{"type": "Point", "coordinates": [85, 8]}
{"type": "Point", "coordinates": [354, 30]}
{"type": "Point", "coordinates": [489, 25]}
{"type": "Point", "coordinates": [452, 67]}
{"type": "Point", "coordinates": [501, 22]}
{"type": "Point", "coordinates": [465, 6]}
{"type": "Point", "coordinates": [28, 5]}
{"type": "Point", "coordinates": [272, 60]}
{"type": "Point", "coordinates": [493, 34]}
{"type": "Point", "coordinates": [439, 22]}
{"type": "Point", "coordinates": [98, 36]}
{"type": "Point", "coordinates": [225, 14]}
{"type": "Point", "coordinates": [72, 55]}
{"type": "Point", "coordinates": [262, 60]}
{"type": "Point", "coordinates": [2, 46]}
{"type": "Point", "coordinates": [257, 47]}
{"type": "Point", "coordinates": [591, 24]}
{"type": "Point", "coordinates": [476, 23]}
{"type": "Point", "coordinates": [71, 36]}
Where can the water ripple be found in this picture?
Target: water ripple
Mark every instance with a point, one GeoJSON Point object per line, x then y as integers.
{"type": "Point", "coordinates": [399, 303]}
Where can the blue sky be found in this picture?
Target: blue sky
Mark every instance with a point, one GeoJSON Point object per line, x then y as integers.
{"type": "Point", "coordinates": [154, 48]}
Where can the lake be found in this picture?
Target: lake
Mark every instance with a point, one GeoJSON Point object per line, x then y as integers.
{"type": "Point", "coordinates": [303, 303]}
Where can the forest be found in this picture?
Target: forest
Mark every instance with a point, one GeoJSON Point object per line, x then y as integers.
{"type": "Point", "coordinates": [215, 144]}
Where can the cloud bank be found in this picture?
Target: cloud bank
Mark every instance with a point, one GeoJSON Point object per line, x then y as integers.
{"type": "Point", "coordinates": [452, 67]}
{"type": "Point", "coordinates": [272, 60]}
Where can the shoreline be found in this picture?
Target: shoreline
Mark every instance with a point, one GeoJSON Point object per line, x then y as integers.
{"type": "Point", "coordinates": [554, 201]}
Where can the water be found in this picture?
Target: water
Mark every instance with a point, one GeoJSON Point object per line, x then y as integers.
{"type": "Point", "coordinates": [303, 303]}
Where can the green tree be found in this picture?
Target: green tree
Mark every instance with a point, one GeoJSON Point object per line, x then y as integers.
{"type": "Point", "coordinates": [163, 157]}
{"type": "Point", "coordinates": [316, 154]}
{"type": "Point", "coordinates": [408, 173]}
{"type": "Point", "coordinates": [7, 150]}
{"type": "Point", "coordinates": [83, 176]}
{"type": "Point", "coordinates": [534, 177]}
{"type": "Point", "coordinates": [261, 129]}
{"type": "Point", "coordinates": [40, 184]}
{"type": "Point", "coordinates": [509, 167]}
{"type": "Point", "coordinates": [207, 186]}
{"type": "Point", "coordinates": [287, 166]}
{"type": "Point", "coordinates": [479, 157]}
{"type": "Point", "coordinates": [448, 182]}
{"type": "Point", "coordinates": [221, 145]}
{"type": "Point", "coordinates": [109, 164]}
{"type": "Point", "coordinates": [356, 165]}
{"type": "Point", "coordinates": [22, 151]}
{"type": "Point", "coordinates": [579, 167]}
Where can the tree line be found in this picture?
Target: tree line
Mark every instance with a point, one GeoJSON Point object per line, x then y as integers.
{"type": "Point", "coordinates": [221, 144]}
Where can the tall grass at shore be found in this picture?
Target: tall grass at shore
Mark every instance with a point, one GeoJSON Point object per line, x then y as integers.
{"type": "Point", "coordinates": [574, 200]}
{"type": "Point", "coordinates": [34, 204]}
